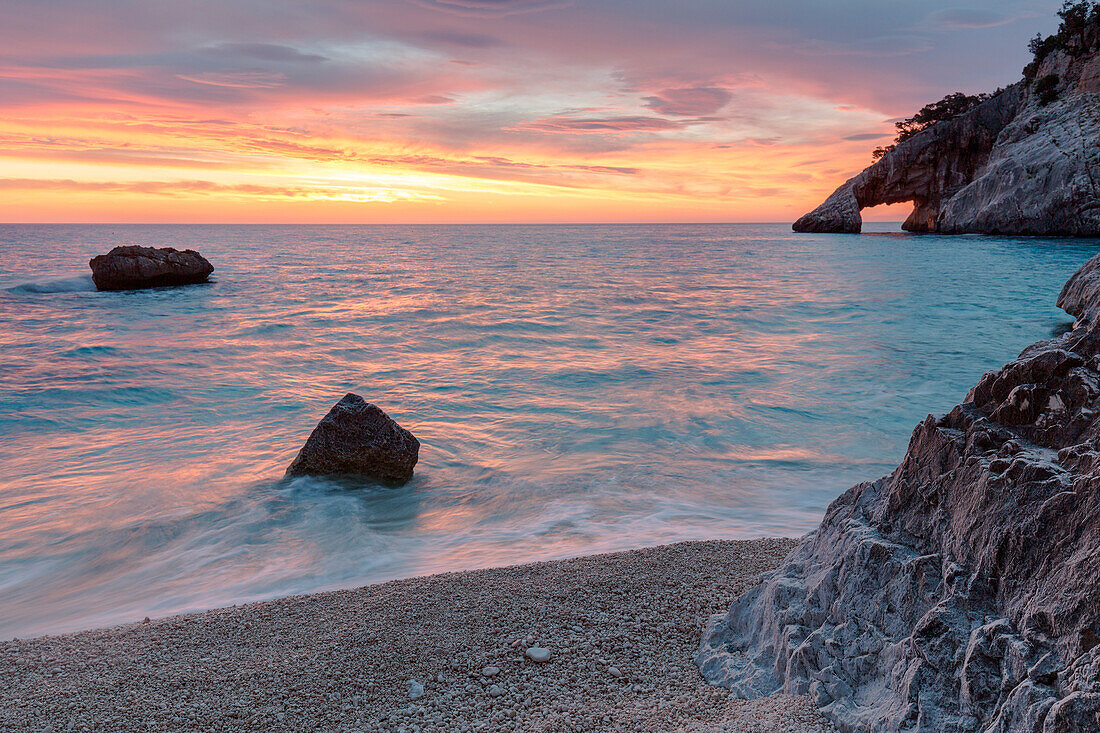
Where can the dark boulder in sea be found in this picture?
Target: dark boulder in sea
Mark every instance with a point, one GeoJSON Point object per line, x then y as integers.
{"type": "Point", "coordinates": [961, 592]}
{"type": "Point", "coordinates": [357, 438]}
{"type": "Point", "coordinates": [131, 268]}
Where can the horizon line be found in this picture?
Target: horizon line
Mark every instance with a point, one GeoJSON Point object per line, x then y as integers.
{"type": "Point", "coordinates": [403, 224]}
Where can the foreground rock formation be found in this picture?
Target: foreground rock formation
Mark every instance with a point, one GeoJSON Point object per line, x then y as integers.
{"type": "Point", "coordinates": [1012, 165]}
{"type": "Point", "coordinates": [357, 438]}
{"type": "Point", "coordinates": [962, 592]}
{"type": "Point", "coordinates": [131, 268]}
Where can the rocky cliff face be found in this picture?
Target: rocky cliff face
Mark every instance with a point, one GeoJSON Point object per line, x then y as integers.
{"type": "Point", "coordinates": [962, 592]}
{"type": "Point", "coordinates": [1012, 165]}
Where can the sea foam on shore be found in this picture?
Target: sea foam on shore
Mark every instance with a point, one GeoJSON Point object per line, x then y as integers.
{"type": "Point", "coordinates": [620, 628]}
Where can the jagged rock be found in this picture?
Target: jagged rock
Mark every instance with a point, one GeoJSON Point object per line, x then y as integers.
{"type": "Point", "coordinates": [1012, 165]}
{"type": "Point", "coordinates": [962, 592]}
{"type": "Point", "coordinates": [130, 268]}
{"type": "Point", "coordinates": [357, 438]}
{"type": "Point", "coordinates": [1080, 296]}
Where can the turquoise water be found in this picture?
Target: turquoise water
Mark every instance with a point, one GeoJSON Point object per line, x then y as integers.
{"type": "Point", "coordinates": [576, 389]}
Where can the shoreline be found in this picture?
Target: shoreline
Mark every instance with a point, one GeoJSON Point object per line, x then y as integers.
{"type": "Point", "coordinates": [621, 629]}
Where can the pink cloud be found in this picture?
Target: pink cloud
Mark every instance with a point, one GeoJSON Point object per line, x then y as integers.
{"type": "Point", "coordinates": [493, 8]}
{"type": "Point", "coordinates": [269, 52]}
{"type": "Point", "coordinates": [599, 125]}
{"type": "Point", "coordinates": [238, 79]}
{"type": "Point", "coordinates": [689, 102]}
{"type": "Point", "coordinates": [971, 18]}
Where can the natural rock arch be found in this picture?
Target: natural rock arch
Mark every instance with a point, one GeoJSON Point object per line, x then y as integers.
{"type": "Point", "coordinates": [928, 169]}
{"type": "Point", "coordinates": [1014, 164]}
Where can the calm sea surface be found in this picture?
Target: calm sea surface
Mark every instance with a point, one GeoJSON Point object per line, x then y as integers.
{"type": "Point", "coordinates": [576, 389]}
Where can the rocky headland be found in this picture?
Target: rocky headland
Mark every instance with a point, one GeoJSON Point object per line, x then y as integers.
{"type": "Point", "coordinates": [133, 268]}
{"type": "Point", "coordinates": [1025, 161]}
{"type": "Point", "coordinates": [962, 592]}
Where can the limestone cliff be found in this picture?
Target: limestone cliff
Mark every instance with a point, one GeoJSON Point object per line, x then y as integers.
{"type": "Point", "coordinates": [1016, 164]}
{"type": "Point", "coordinates": [962, 592]}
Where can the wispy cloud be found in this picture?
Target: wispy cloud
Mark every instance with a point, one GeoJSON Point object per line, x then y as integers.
{"type": "Point", "coordinates": [238, 79]}
{"type": "Point", "coordinates": [268, 52]}
{"type": "Point", "coordinates": [881, 47]}
{"type": "Point", "coordinates": [491, 8]}
{"type": "Point", "coordinates": [210, 188]}
{"type": "Point", "coordinates": [689, 102]}
{"type": "Point", "coordinates": [971, 18]}
{"type": "Point", "coordinates": [569, 124]}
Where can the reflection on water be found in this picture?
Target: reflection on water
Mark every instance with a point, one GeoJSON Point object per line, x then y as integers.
{"type": "Point", "coordinates": [575, 389]}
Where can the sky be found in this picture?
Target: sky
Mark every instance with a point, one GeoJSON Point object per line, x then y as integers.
{"type": "Point", "coordinates": [472, 111]}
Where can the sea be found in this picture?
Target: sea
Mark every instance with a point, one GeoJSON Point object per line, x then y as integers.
{"type": "Point", "coordinates": [575, 389]}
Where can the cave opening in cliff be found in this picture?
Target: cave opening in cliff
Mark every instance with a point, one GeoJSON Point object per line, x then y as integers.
{"type": "Point", "coordinates": [886, 217]}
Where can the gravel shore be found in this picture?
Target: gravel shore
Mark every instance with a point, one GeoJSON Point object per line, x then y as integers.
{"type": "Point", "coordinates": [450, 652]}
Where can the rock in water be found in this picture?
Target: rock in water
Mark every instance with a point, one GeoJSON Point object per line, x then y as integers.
{"type": "Point", "coordinates": [130, 268]}
{"type": "Point", "coordinates": [357, 438]}
{"type": "Point", "coordinates": [962, 592]}
{"type": "Point", "coordinates": [1016, 164]}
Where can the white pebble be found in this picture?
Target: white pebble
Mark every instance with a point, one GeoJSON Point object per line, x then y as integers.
{"type": "Point", "coordinates": [416, 689]}
{"type": "Point", "coordinates": [538, 654]}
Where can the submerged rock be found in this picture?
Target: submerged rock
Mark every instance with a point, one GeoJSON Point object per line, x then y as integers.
{"type": "Point", "coordinates": [962, 592]}
{"type": "Point", "coordinates": [357, 438]}
{"type": "Point", "coordinates": [131, 268]}
{"type": "Point", "coordinates": [1016, 164]}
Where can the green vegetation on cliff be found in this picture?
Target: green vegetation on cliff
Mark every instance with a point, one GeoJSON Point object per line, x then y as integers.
{"type": "Point", "coordinates": [1078, 34]}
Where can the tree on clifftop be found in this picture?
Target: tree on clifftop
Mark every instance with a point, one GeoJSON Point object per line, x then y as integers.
{"type": "Point", "coordinates": [950, 106]}
{"type": "Point", "coordinates": [1078, 33]}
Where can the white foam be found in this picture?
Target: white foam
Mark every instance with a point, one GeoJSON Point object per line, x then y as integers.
{"type": "Point", "coordinates": [77, 284]}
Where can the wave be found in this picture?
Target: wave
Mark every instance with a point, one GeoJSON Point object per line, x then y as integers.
{"type": "Point", "coordinates": [77, 284]}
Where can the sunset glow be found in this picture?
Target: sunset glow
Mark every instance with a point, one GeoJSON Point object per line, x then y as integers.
{"type": "Point", "coordinates": [467, 110]}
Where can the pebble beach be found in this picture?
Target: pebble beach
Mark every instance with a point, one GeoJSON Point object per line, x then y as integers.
{"type": "Point", "coordinates": [596, 643]}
